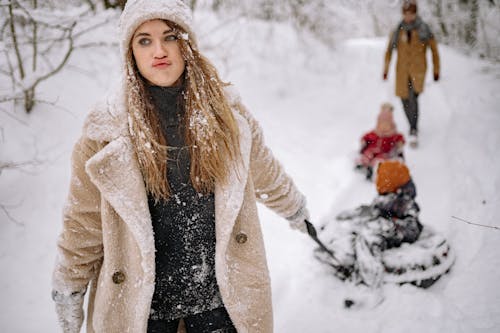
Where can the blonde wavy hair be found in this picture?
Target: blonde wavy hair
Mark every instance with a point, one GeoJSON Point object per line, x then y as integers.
{"type": "Point", "coordinates": [211, 131]}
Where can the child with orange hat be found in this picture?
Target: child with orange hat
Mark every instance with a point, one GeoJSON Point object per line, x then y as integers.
{"type": "Point", "coordinates": [383, 142]}
{"type": "Point", "coordinates": [396, 201]}
{"type": "Point", "coordinates": [365, 241]}
{"type": "Point", "coordinates": [390, 220]}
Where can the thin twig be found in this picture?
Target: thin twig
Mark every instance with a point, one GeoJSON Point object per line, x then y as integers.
{"type": "Point", "coordinates": [63, 61]}
{"type": "Point", "coordinates": [11, 69]}
{"type": "Point", "coordinates": [476, 224]}
{"type": "Point", "coordinates": [41, 22]}
{"type": "Point", "coordinates": [22, 122]}
{"type": "Point", "coordinates": [6, 212]}
{"type": "Point", "coordinates": [92, 27]}
{"type": "Point", "coordinates": [19, 165]}
{"type": "Point", "coordinates": [95, 44]}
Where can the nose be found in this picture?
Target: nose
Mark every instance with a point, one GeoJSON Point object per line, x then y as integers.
{"type": "Point", "coordinates": [159, 51]}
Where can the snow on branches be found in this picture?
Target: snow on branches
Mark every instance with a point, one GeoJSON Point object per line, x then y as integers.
{"type": "Point", "coordinates": [37, 39]}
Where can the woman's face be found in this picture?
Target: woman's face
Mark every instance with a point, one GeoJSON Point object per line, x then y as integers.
{"type": "Point", "coordinates": [157, 54]}
{"type": "Point", "coordinates": [409, 16]}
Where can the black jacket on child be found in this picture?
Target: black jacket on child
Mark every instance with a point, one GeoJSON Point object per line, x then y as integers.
{"type": "Point", "coordinates": [402, 210]}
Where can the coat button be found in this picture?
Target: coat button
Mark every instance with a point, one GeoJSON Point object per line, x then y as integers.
{"type": "Point", "coordinates": [118, 277]}
{"type": "Point", "coordinates": [241, 238]}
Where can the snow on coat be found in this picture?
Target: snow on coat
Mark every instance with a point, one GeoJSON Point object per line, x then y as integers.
{"type": "Point", "coordinates": [107, 238]}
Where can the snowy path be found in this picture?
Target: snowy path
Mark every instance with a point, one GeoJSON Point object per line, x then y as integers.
{"type": "Point", "coordinates": [313, 104]}
{"type": "Point", "coordinates": [451, 168]}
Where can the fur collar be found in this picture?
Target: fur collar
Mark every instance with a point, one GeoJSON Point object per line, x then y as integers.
{"type": "Point", "coordinates": [108, 119]}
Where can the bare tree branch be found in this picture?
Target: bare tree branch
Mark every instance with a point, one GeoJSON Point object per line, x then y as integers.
{"type": "Point", "coordinates": [35, 38]}
{"type": "Point", "coordinates": [28, 14]}
{"type": "Point", "coordinates": [62, 63]}
{"type": "Point", "coordinates": [11, 68]}
{"type": "Point", "coordinates": [95, 44]}
{"type": "Point", "coordinates": [91, 5]}
{"type": "Point", "coordinates": [88, 29]}
{"type": "Point", "coordinates": [10, 217]}
{"type": "Point", "coordinates": [14, 117]}
{"type": "Point", "coordinates": [19, 165]}
{"type": "Point", "coordinates": [14, 41]}
{"type": "Point", "coordinates": [20, 98]}
{"type": "Point", "coordinates": [476, 224]}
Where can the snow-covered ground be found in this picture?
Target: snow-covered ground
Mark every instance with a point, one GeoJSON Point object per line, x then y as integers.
{"type": "Point", "coordinates": [314, 103]}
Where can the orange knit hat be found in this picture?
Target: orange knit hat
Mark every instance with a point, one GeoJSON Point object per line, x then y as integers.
{"type": "Point", "coordinates": [391, 175]}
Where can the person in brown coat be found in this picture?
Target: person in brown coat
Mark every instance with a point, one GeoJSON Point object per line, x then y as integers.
{"type": "Point", "coordinates": [161, 222]}
{"type": "Point", "coordinates": [411, 39]}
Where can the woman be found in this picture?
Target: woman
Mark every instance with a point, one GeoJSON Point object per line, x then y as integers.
{"type": "Point", "coordinates": [161, 217]}
{"type": "Point", "coordinates": [411, 39]}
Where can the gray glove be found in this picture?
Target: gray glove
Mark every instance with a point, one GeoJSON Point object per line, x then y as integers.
{"type": "Point", "coordinates": [298, 220]}
{"type": "Point", "coordinates": [69, 309]}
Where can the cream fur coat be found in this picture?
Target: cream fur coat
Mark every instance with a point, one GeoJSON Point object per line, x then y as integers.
{"type": "Point", "coordinates": [107, 238]}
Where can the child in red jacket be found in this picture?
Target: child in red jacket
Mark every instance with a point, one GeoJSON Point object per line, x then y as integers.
{"type": "Point", "coordinates": [382, 143]}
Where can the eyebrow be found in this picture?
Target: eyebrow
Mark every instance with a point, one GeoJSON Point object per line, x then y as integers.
{"type": "Point", "coordinates": [145, 34]}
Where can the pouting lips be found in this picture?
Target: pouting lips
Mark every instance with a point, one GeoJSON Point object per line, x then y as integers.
{"type": "Point", "coordinates": [161, 63]}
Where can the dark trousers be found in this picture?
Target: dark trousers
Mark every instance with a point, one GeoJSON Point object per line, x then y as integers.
{"type": "Point", "coordinates": [410, 105]}
{"type": "Point", "coordinates": [206, 322]}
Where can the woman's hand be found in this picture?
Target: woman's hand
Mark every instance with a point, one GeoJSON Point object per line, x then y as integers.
{"type": "Point", "coordinates": [69, 309]}
{"type": "Point", "coordinates": [298, 220]}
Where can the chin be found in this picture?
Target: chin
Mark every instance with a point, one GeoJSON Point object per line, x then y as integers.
{"type": "Point", "coordinates": [162, 83]}
{"type": "Point", "coordinates": [167, 82]}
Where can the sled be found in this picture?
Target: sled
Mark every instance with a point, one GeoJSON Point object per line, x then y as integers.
{"type": "Point", "coordinates": [421, 263]}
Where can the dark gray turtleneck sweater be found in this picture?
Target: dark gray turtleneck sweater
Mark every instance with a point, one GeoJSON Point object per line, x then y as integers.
{"type": "Point", "coordinates": [184, 226]}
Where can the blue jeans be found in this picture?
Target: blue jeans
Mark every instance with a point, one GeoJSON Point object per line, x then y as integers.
{"type": "Point", "coordinates": [215, 321]}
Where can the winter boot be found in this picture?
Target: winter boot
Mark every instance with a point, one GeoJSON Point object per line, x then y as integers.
{"type": "Point", "coordinates": [413, 138]}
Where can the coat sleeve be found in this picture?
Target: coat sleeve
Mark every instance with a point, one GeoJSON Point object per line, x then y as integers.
{"type": "Point", "coordinates": [273, 186]}
{"type": "Point", "coordinates": [79, 246]}
{"type": "Point", "coordinates": [435, 55]}
{"type": "Point", "coordinates": [388, 54]}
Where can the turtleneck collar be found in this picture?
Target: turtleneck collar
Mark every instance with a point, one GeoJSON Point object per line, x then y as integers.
{"type": "Point", "coordinates": [167, 103]}
{"type": "Point", "coordinates": [164, 97]}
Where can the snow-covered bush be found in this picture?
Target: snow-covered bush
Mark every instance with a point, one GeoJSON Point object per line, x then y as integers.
{"type": "Point", "coordinates": [37, 39]}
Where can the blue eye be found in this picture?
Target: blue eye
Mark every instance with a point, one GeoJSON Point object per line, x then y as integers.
{"type": "Point", "coordinates": [171, 38]}
{"type": "Point", "coordinates": [144, 41]}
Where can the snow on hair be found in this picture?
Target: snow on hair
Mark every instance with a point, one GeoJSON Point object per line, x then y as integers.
{"type": "Point", "coordinates": [212, 133]}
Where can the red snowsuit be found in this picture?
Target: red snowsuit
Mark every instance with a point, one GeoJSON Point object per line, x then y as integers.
{"type": "Point", "coordinates": [377, 148]}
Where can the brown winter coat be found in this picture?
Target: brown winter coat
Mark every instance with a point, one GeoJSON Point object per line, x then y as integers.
{"type": "Point", "coordinates": [412, 62]}
{"type": "Point", "coordinates": [107, 237]}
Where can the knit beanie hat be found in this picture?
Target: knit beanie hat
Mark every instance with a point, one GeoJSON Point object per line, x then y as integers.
{"type": "Point", "coordinates": [391, 175]}
{"type": "Point", "coordinates": [385, 121]}
{"type": "Point", "coordinates": [409, 6]}
{"type": "Point", "coordinates": [137, 12]}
